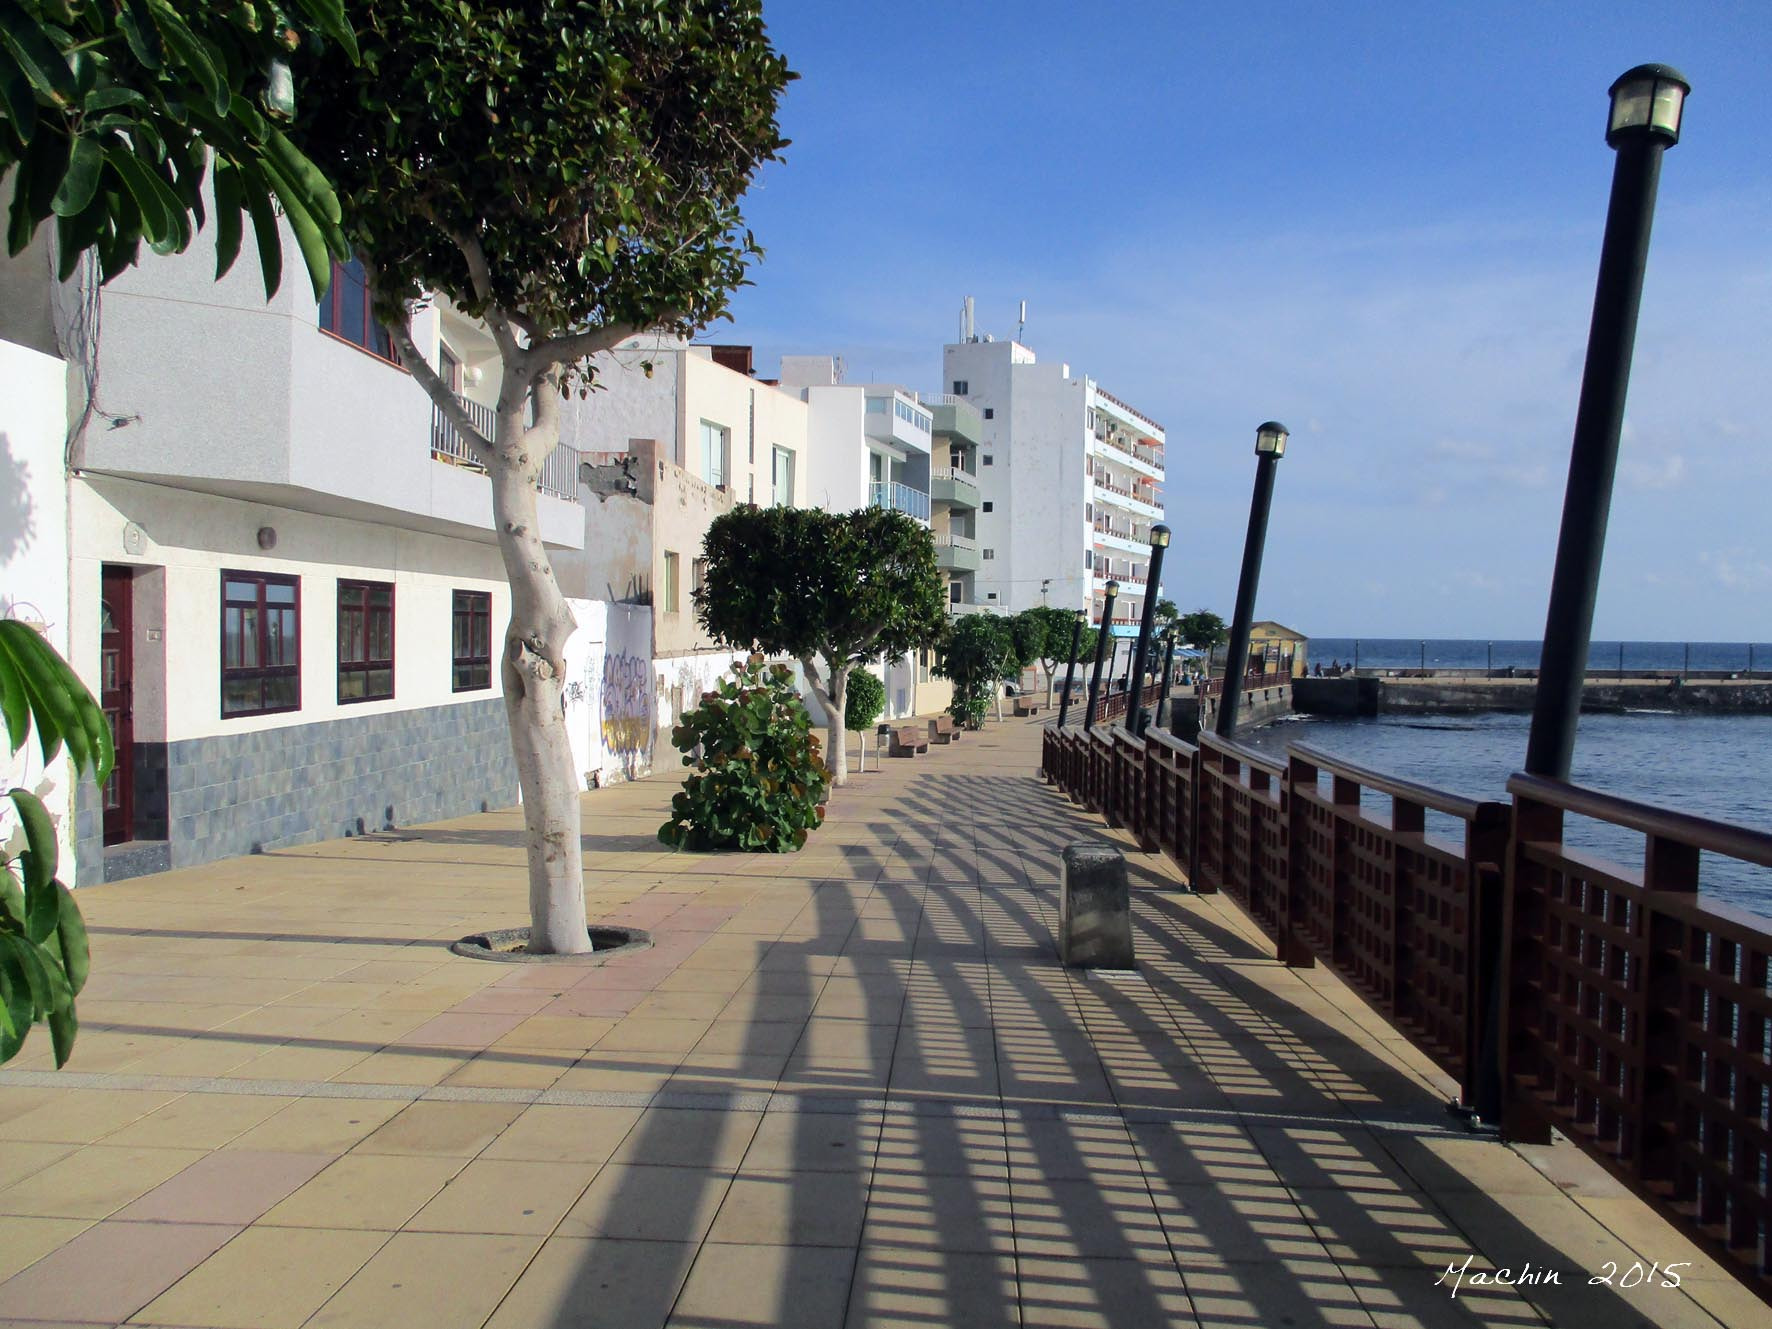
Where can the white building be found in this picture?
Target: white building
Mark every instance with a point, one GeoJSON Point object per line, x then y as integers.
{"type": "Point", "coordinates": [697, 433]}
{"type": "Point", "coordinates": [1069, 479]}
{"type": "Point", "coordinates": [277, 562]}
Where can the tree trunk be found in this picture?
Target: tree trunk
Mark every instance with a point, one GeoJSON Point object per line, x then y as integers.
{"type": "Point", "coordinates": [836, 750]}
{"type": "Point", "coordinates": [1050, 666]}
{"type": "Point", "coordinates": [532, 670]}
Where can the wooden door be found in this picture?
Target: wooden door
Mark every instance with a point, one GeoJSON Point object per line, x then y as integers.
{"type": "Point", "coordinates": [115, 697]}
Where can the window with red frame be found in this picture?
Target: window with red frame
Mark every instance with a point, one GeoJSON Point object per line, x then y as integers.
{"type": "Point", "coordinates": [261, 643]}
{"type": "Point", "coordinates": [365, 641]}
{"type": "Point", "coordinates": [345, 312]}
{"type": "Point", "coordinates": [472, 664]}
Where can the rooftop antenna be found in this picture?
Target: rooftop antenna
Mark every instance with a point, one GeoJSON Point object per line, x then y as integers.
{"type": "Point", "coordinates": [1022, 321]}
{"type": "Point", "coordinates": [966, 322]}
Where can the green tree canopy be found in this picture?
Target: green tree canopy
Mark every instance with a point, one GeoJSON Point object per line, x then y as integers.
{"type": "Point", "coordinates": [865, 701]}
{"type": "Point", "coordinates": [1202, 629]}
{"type": "Point", "coordinates": [974, 654]}
{"type": "Point", "coordinates": [568, 172]}
{"type": "Point", "coordinates": [831, 589]}
{"type": "Point", "coordinates": [112, 114]}
{"type": "Point", "coordinates": [1164, 612]}
{"type": "Point", "coordinates": [1054, 634]}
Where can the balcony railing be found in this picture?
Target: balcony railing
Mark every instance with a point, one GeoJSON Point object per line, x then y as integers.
{"type": "Point", "coordinates": [559, 473]}
{"type": "Point", "coordinates": [899, 498]}
{"type": "Point", "coordinates": [948, 538]}
{"type": "Point", "coordinates": [953, 473]}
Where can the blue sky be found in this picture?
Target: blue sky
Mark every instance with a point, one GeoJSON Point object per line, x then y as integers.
{"type": "Point", "coordinates": [1377, 222]}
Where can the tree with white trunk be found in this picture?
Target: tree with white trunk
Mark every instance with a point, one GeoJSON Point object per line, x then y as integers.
{"type": "Point", "coordinates": [569, 173]}
{"type": "Point", "coordinates": [833, 590]}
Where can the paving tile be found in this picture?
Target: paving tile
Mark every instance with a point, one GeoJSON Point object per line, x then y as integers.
{"type": "Point", "coordinates": [792, 1209]}
{"type": "Point", "coordinates": [549, 1133]}
{"type": "Point", "coordinates": [24, 1241]}
{"type": "Point", "coordinates": [319, 1125]}
{"type": "Point", "coordinates": [229, 1186]}
{"type": "Point", "coordinates": [897, 1287]}
{"type": "Point", "coordinates": [502, 1195]}
{"type": "Point", "coordinates": [1273, 1292]}
{"type": "Point", "coordinates": [814, 1142]}
{"type": "Point", "coordinates": [265, 1278]}
{"type": "Point", "coordinates": [790, 1287]}
{"type": "Point", "coordinates": [602, 1283]}
{"type": "Point", "coordinates": [689, 1138]}
{"type": "Point", "coordinates": [1101, 1294]}
{"type": "Point", "coordinates": [200, 1121]}
{"type": "Point", "coordinates": [436, 1279]}
{"type": "Point", "coordinates": [110, 1271]}
{"type": "Point", "coordinates": [94, 1182]}
{"type": "Point", "coordinates": [84, 1115]}
{"type": "Point", "coordinates": [644, 1203]}
{"type": "Point", "coordinates": [450, 1129]}
{"type": "Point", "coordinates": [373, 1191]}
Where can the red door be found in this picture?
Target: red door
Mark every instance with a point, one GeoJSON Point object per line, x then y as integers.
{"type": "Point", "coordinates": [115, 697]}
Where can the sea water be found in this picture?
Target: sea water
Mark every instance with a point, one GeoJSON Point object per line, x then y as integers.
{"type": "Point", "coordinates": [1602, 656]}
{"type": "Point", "coordinates": [1715, 766]}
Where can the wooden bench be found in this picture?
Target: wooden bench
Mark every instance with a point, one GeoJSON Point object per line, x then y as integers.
{"type": "Point", "coordinates": [1027, 705]}
{"type": "Point", "coordinates": [907, 741]}
{"type": "Point", "coordinates": [942, 729]}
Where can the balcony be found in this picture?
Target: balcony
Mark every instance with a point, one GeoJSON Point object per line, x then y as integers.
{"type": "Point", "coordinates": [1131, 583]}
{"type": "Point", "coordinates": [956, 488]}
{"type": "Point", "coordinates": [894, 417]}
{"type": "Point", "coordinates": [1132, 539]}
{"type": "Point", "coordinates": [955, 417]}
{"type": "Point", "coordinates": [1137, 457]}
{"type": "Point", "coordinates": [956, 553]}
{"type": "Point", "coordinates": [559, 473]}
{"type": "Point", "coordinates": [1106, 491]}
{"type": "Point", "coordinates": [899, 498]}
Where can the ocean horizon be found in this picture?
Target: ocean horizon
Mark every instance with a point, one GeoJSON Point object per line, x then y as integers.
{"type": "Point", "coordinates": [1518, 653]}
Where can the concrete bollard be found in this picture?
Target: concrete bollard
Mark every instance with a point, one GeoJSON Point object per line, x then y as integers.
{"type": "Point", "coordinates": [1094, 907]}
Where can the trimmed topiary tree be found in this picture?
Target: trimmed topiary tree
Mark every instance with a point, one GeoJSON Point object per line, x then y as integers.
{"type": "Point", "coordinates": [973, 655]}
{"type": "Point", "coordinates": [862, 704]}
{"type": "Point", "coordinates": [758, 784]}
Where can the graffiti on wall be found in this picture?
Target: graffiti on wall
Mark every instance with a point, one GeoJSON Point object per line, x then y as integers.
{"type": "Point", "coordinates": [627, 704]}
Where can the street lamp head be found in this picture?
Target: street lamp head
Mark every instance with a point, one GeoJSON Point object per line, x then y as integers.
{"type": "Point", "coordinates": [1113, 588]}
{"type": "Point", "coordinates": [1081, 614]}
{"type": "Point", "coordinates": [1647, 101]}
{"type": "Point", "coordinates": [1270, 439]}
{"type": "Point", "coordinates": [1159, 537]}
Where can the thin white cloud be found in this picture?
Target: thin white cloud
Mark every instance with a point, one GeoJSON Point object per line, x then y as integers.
{"type": "Point", "coordinates": [1667, 473]}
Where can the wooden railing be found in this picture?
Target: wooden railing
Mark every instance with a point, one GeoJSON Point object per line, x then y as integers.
{"type": "Point", "coordinates": [1639, 1015]}
{"type": "Point", "coordinates": [1623, 1009]}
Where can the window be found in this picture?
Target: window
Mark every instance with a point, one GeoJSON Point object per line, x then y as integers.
{"type": "Point", "coordinates": [955, 591]}
{"type": "Point", "coordinates": [261, 643]}
{"type": "Point", "coordinates": [961, 387]}
{"type": "Point", "coordinates": [923, 660]}
{"type": "Point", "coordinates": [989, 413]}
{"type": "Point", "coordinates": [990, 595]}
{"type": "Point", "coordinates": [670, 582]}
{"type": "Point", "coordinates": [1088, 560]}
{"type": "Point", "coordinates": [716, 452]}
{"type": "Point", "coordinates": [1089, 512]}
{"type": "Point", "coordinates": [987, 505]}
{"type": "Point", "coordinates": [781, 477]}
{"type": "Point", "coordinates": [987, 459]}
{"type": "Point", "coordinates": [698, 575]}
{"type": "Point", "coordinates": [990, 554]}
{"type": "Point", "coordinates": [365, 640]}
{"type": "Point", "coordinates": [449, 368]}
{"type": "Point", "coordinates": [472, 654]}
{"type": "Point", "coordinates": [345, 312]}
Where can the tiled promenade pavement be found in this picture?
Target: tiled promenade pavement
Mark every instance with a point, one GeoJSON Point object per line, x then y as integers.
{"type": "Point", "coordinates": [847, 1087]}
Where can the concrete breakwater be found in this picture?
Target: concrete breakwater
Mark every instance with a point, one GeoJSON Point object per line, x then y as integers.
{"type": "Point", "coordinates": [1372, 696]}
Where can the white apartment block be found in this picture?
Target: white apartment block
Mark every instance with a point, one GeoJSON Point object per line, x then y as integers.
{"type": "Point", "coordinates": [275, 563]}
{"type": "Point", "coordinates": [1069, 482]}
{"type": "Point", "coordinates": [698, 434]}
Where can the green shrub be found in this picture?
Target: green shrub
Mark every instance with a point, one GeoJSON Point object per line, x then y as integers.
{"type": "Point", "coordinates": [863, 701]}
{"type": "Point", "coordinates": [758, 783]}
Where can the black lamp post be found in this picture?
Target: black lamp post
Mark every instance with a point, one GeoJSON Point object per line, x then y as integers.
{"type": "Point", "coordinates": [1168, 679]}
{"type": "Point", "coordinates": [1270, 446]}
{"type": "Point", "coordinates": [1153, 580]}
{"type": "Point", "coordinates": [1646, 106]}
{"type": "Point", "coordinates": [1491, 669]}
{"type": "Point", "coordinates": [1101, 641]}
{"type": "Point", "coordinates": [1424, 659]}
{"type": "Point", "coordinates": [1070, 669]}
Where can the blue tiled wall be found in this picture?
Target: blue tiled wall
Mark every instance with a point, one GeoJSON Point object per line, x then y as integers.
{"type": "Point", "coordinates": [243, 793]}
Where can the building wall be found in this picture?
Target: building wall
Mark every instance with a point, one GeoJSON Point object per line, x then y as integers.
{"type": "Point", "coordinates": [227, 784]}
{"type": "Point", "coordinates": [34, 551]}
{"type": "Point", "coordinates": [221, 390]}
